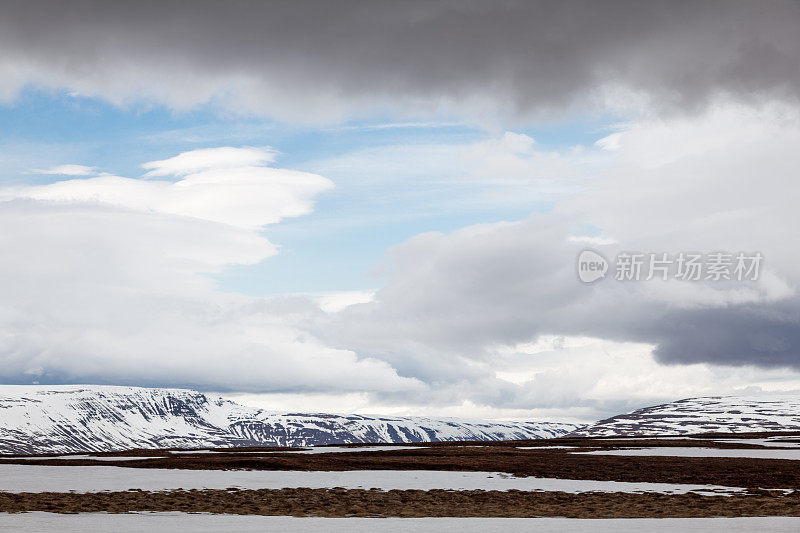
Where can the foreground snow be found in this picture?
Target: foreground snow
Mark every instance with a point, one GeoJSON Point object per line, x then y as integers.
{"type": "Point", "coordinates": [36, 478]}
{"type": "Point", "coordinates": [721, 414]}
{"type": "Point", "coordinates": [180, 522]}
{"type": "Point", "coordinates": [93, 418]}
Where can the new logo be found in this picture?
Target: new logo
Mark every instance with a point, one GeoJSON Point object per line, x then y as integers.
{"type": "Point", "coordinates": [591, 266]}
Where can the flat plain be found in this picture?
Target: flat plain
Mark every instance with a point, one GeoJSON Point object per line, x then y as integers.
{"type": "Point", "coordinates": [566, 477]}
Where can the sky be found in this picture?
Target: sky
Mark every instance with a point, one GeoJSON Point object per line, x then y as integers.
{"type": "Point", "coordinates": [378, 207]}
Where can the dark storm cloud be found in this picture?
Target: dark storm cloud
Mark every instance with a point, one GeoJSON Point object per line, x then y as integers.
{"type": "Point", "coordinates": [297, 58]}
{"type": "Point", "coordinates": [763, 335]}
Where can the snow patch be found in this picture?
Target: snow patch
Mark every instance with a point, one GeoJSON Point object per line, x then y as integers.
{"type": "Point", "coordinates": [39, 478]}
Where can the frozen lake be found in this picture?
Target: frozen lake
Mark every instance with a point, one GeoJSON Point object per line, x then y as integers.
{"type": "Point", "coordinates": [314, 450]}
{"type": "Point", "coordinates": [39, 478]}
{"type": "Point", "coordinates": [700, 452]}
{"type": "Point", "coordinates": [774, 442]}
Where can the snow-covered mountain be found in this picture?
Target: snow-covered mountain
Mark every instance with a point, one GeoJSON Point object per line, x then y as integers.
{"type": "Point", "coordinates": [81, 418]}
{"type": "Point", "coordinates": [722, 414]}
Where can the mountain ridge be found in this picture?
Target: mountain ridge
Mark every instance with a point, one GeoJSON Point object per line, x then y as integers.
{"type": "Point", "coordinates": [703, 414]}
{"type": "Point", "coordinates": [98, 418]}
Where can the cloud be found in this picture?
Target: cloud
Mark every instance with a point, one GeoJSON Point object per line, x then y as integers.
{"type": "Point", "coordinates": [499, 171]}
{"type": "Point", "coordinates": [507, 158]}
{"type": "Point", "coordinates": [335, 302]}
{"type": "Point", "coordinates": [319, 61]}
{"type": "Point", "coordinates": [219, 184]}
{"type": "Point", "coordinates": [68, 170]}
{"type": "Point", "coordinates": [614, 377]}
{"type": "Point", "coordinates": [109, 279]}
{"type": "Point", "coordinates": [108, 282]}
{"type": "Point", "coordinates": [578, 378]}
{"type": "Point", "coordinates": [224, 157]}
{"type": "Point", "coordinates": [723, 180]}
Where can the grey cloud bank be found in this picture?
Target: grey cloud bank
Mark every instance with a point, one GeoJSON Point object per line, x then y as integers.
{"type": "Point", "coordinates": [317, 60]}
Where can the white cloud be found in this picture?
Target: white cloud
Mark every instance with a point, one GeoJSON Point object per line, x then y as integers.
{"type": "Point", "coordinates": [68, 170]}
{"type": "Point", "coordinates": [492, 175]}
{"type": "Point", "coordinates": [505, 159]}
{"type": "Point", "coordinates": [514, 157]}
{"type": "Point", "coordinates": [611, 142]}
{"type": "Point", "coordinates": [614, 376]}
{"type": "Point", "coordinates": [220, 185]}
{"type": "Point", "coordinates": [336, 301]}
{"type": "Point", "coordinates": [224, 157]}
{"type": "Point", "coordinates": [592, 241]}
{"type": "Point", "coordinates": [108, 282]}
{"type": "Point", "coordinates": [577, 379]}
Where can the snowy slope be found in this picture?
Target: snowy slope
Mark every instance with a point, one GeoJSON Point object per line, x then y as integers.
{"type": "Point", "coordinates": [79, 418]}
{"type": "Point", "coordinates": [723, 414]}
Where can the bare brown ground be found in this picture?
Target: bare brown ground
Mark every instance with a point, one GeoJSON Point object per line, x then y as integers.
{"type": "Point", "coordinates": [496, 457]}
{"type": "Point", "coordinates": [407, 503]}
{"type": "Point", "coordinates": [754, 474]}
